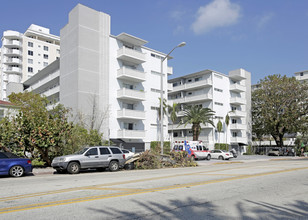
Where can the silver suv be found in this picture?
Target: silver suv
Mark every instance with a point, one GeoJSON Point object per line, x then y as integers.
{"type": "Point", "coordinates": [99, 157]}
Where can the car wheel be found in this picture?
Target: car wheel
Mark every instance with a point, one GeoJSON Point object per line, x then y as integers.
{"type": "Point", "coordinates": [73, 168]}
{"type": "Point", "coordinates": [208, 157]}
{"type": "Point", "coordinates": [16, 171]}
{"type": "Point", "coordinates": [113, 166]}
{"type": "Point", "coordinates": [220, 158]}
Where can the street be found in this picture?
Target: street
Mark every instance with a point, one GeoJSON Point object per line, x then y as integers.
{"type": "Point", "coordinates": [272, 189]}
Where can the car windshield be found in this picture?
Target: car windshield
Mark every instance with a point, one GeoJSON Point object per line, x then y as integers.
{"type": "Point", "coordinates": [81, 151]}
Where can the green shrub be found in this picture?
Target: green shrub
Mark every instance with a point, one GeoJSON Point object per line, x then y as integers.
{"type": "Point", "coordinates": [155, 147]}
{"type": "Point", "coordinates": [222, 146]}
{"type": "Point", "coordinates": [38, 163]}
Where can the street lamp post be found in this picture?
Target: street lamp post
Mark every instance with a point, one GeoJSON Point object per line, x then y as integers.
{"type": "Point", "coordinates": [162, 98]}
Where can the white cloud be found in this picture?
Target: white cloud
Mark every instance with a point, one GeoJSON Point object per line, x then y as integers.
{"type": "Point", "coordinates": [177, 15]}
{"type": "Point", "coordinates": [218, 13]}
{"type": "Point", "coordinates": [264, 20]}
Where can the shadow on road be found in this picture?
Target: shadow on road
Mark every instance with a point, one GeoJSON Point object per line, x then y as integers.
{"type": "Point", "coordinates": [193, 209]}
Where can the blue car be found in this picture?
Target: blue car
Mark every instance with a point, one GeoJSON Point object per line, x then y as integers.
{"type": "Point", "coordinates": [12, 165]}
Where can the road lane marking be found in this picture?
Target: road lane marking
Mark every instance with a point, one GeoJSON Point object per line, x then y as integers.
{"type": "Point", "coordinates": [137, 191]}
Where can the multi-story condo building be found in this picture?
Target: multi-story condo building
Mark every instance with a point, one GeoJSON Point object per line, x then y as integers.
{"type": "Point", "coordinates": [224, 94]}
{"type": "Point", "coordinates": [112, 80]}
{"type": "Point", "coordinates": [24, 54]}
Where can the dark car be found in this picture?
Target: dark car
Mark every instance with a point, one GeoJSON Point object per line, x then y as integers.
{"type": "Point", "coordinates": [12, 165]}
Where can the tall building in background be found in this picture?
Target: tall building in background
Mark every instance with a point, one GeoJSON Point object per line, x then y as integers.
{"type": "Point", "coordinates": [224, 94]}
{"type": "Point", "coordinates": [25, 54]}
{"type": "Point", "coordinates": [302, 76]}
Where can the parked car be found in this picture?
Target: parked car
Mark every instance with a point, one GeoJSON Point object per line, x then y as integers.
{"type": "Point", "coordinates": [12, 165]}
{"type": "Point", "coordinates": [99, 157]}
{"type": "Point", "coordinates": [275, 152]}
{"type": "Point", "coordinates": [221, 154]}
{"type": "Point", "coordinates": [128, 154]}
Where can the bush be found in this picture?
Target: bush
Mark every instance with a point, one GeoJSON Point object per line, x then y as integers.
{"type": "Point", "coordinates": [181, 159]}
{"type": "Point", "coordinates": [148, 160]}
{"type": "Point", "coordinates": [155, 147]}
{"type": "Point", "coordinates": [38, 163]}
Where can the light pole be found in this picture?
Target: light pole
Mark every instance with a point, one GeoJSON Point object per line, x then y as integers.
{"type": "Point", "coordinates": [162, 98]}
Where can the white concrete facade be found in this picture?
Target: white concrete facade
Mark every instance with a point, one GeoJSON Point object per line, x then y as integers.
{"type": "Point", "coordinates": [24, 54]}
{"type": "Point", "coordinates": [302, 75]}
{"type": "Point", "coordinates": [221, 93]}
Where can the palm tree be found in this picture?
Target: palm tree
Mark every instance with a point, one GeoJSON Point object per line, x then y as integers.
{"type": "Point", "coordinates": [227, 122]}
{"type": "Point", "coordinates": [172, 114]}
{"type": "Point", "coordinates": [196, 115]}
{"type": "Point", "coordinates": [219, 129]}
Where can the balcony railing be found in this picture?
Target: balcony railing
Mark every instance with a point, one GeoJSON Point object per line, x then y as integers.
{"type": "Point", "coordinates": [238, 101]}
{"type": "Point", "coordinates": [238, 126]}
{"type": "Point", "coordinates": [131, 74]}
{"type": "Point", "coordinates": [131, 94]}
{"type": "Point", "coordinates": [131, 55]}
{"type": "Point", "coordinates": [13, 52]}
{"type": "Point", "coordinates": [187, 127]}
{"type": "Point", "coordinates": [237, 88]}
{"type": "Point", "coordinates": [47, 81]}
{"type": "Point", "coordinates": [12, 43]}
{"type": "Point", "coordinates": [237, 113]}
{"type": "Point", "coordinates": [131, 134]}
{"type": "Point", "coordinates": [131, 114]}
{"type": "Point", "coordinates": [12, 61]}
{"type": "Point", "coordinates": [238, 139]}
{"type": "Point", "coordinates": [193, 85]}
{"type": "Point", "coordinates": [12, 70]}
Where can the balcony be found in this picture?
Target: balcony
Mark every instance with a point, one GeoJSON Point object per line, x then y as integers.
{"type": "Point", "coordinates": [12, 61]}
{"type": "Point", "coordinates": [237, 113]}
{"type": "Point", "coordinates": [170, 87]}
{"type": "Point", "coordinates": [237, 101]}
{"type": "Point", "coordinates": [187, 127]}
{"type": "Point", "coordinates": [238, 126]}
{"type": "Point", "coordinates": [12, 43]}
{"type": "Point", "coordinates": [51, 91]}
{"type": "Point", "coordinates": [12, 34]}
{"type": "Point", "coordinates": [126, 73]}
{"type": "Point", "coordinates": [131, 134]}
{"type": "Point", "coordinates": [131, 114]}
{"type": "Point", "coordinates": [193, 85]}
{"type": "Point", "coordinates": [130, 94]}
{"type": "Point", "coordinates": [12, 70]}
{"type": "Point", "coordinates": [12, 52]}
{"type": "Point", "coordinates": [237, 88]}
{"type": "Point", "coordinates": [238, 74]}
{"type": "Point", "coordinates": [130, 55]}
{"type": "Point", "coordinates": [238, 140]}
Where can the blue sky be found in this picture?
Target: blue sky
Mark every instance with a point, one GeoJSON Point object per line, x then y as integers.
{"type": "Point", "coordinates": [262, 36]}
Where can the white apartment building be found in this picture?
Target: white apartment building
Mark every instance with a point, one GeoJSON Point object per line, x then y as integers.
{"type": "Point", "coordinates": [24, 54]}
{"type": "Point", "coordinates": [224, 94]}
{"type": "Point", "coordinates": [114, 78]}
{"type": "Point", "coordinates": [302, 75]}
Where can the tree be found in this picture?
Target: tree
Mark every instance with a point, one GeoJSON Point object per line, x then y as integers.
{"type": "Point", "coordinates": [38, 130]}
{"type": "Point", "coordinates": [197, 115]}
{"type": "Point", "coordinates": [173, 110]}
{"type": "Point", "coordinates": [279, 106]}
{"type": "Point", "coordinates": [219, 130]}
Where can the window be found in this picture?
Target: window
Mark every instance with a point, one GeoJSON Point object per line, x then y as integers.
{"type": "Point", "coordinates": [218, 90]}
{"type": "Point", "coordinates": [218, 103]}
{"type": "Point", "coordinates": [234, 121]}
{"type": "Point", "coordinates": [30, 61]}
{"type": "Point", "coordinates": [104, 150]}
{"type": "Point", "coordinates": [45, 48]}
{"type": "Point", "coordinates": [234, 134]}
{"type": "Point", "coordinates": [301, 74]}
{"type": "Point", "coordinates": [92, 151]}
{"type": "Point", "coordinates": [219, 117]}
{"type": "Point", "coordinates": [115, 150]}
{"type": "Point", "coordinates": [30, 44]}
{"type": "Point", "coordinates": [45, 64]}
{"type": "Point", "coordinates": [128, 86]}
{"type": "Point", "coordinates": [233, 108]}
{"type": "Point", "coordinates": [30, 69]}
{"type": "Point", "coordinates": [198, 79]}
{"type": "Point", "coordinates": [128, 126]}
{"type": "Point", "coordinates": [45, 56]}
{"type": "Point", "coordinates": [58, 51]}
{"type": "Point", "coordinates": [30, 52]}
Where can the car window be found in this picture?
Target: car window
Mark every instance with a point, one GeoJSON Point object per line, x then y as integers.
{"type": "Point", "coordinates": [181, 147]}
{"type": "Point", "coordinates": [115, 150]}
{"type": "Point", "coordinates": [2, 155]}
{"type": "Point", "coordinates": [82, 151]}
{"type": "Point", "coordinates": [175, 147]}
{"type": "Point", "coordinates": [92, 151]}
{"type": "Point", "coordinates": [104, 150]}
{"type": "Point", "coordinates": [125, 151]}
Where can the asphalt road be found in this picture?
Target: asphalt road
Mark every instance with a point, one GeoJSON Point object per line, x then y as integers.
{"type": "Point", "coordinates": [270, 189]}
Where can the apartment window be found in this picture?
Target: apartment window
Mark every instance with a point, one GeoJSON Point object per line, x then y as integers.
{"type": "Point", "coordinates": [233, 108]}
{"type": "Point", "coordinates": [30, 52]}
{"type": "Point", "coordinates": [128, 126]}
{"type": "Point", "coordinates": [45, 56]}
{"type": "Point", "coordinates": [128, 86]}
{"type": "Point", "coordinates": [198, 79]}
{"type": "Point", "coordinates": [30, 44]}
{"type": "Point", "coordinates": [218, 90]}
{"type": "Point", "coordinates": [219, 117]}
{"type": "Point", "coordinates": [190, 80]}
{"type": "Point", "coordinates": [45, 64]}
{"type": "Point", "coordinates": [234, 121]}
{"type": "Point", "coordinates": [218, 103]}
{"type": "Point", "coordinates": [234, 134]}
{"type": "Point", "coordinates": [30, 69]}
{"type": "Point", "coordinates": [301, 74]}
{"type": "Point", "coordinates": [45, 48]}
{"type": "Point", "coordinates": [154, 108]}
{"type": "Point", "coordinates": [30, 61]}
